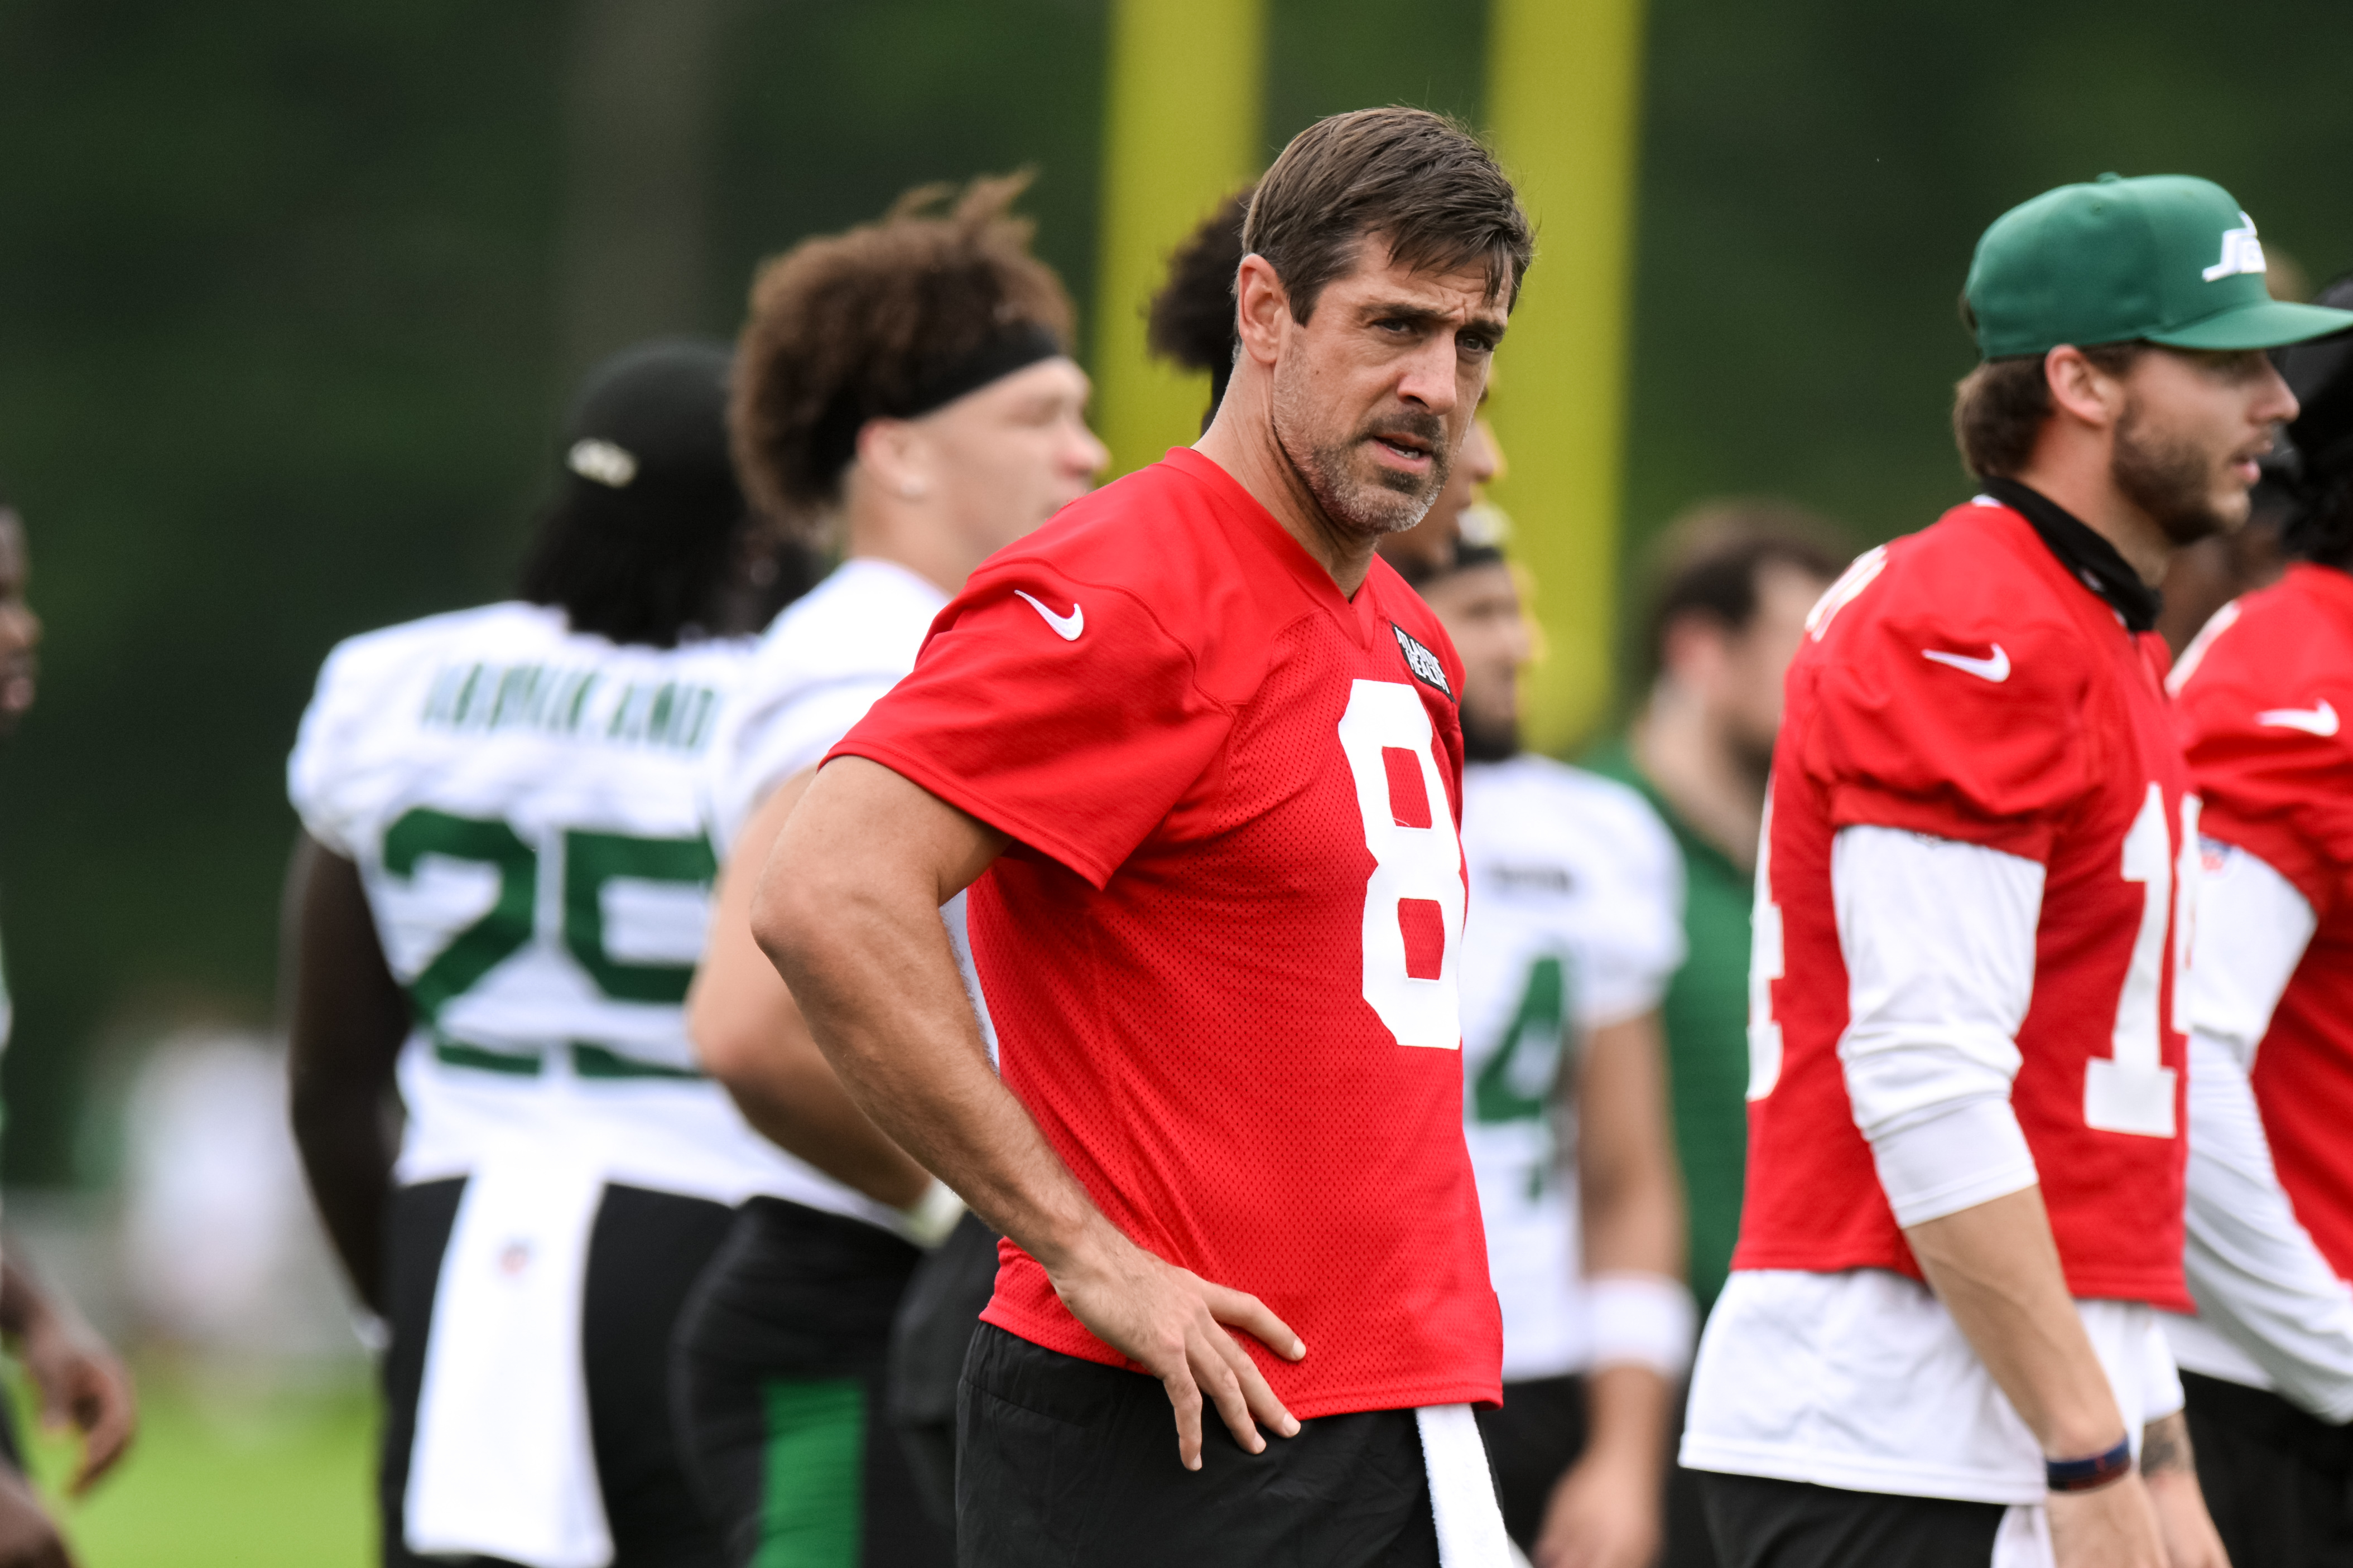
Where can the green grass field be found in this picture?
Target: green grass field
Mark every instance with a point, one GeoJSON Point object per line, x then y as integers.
{"type": "Point", "coordinates": [280, 1481]}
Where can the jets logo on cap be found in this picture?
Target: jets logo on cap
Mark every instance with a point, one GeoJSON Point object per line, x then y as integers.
{"type": "Point", "coordinates": [2242, 251]}
{"type": "Point", "coordinates": [1422, 662]}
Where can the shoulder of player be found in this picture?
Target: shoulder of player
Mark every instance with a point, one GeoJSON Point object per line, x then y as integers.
{"type": "Point", "coordinates": [397, 652]}
{"type": "Point", "coordinates": [866, 616]}
{"type": "Point", "coordinates": [1174, 578]}
{"type": "Point", "coordinates": [1558, 798]}
{"type": "Point", "coordinates": [2271, 675]}
{"type": "Point", "coordinates": [1954, 595]}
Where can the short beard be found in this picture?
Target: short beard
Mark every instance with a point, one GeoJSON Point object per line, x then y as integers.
{"type": "Point", "coordinates": [1393, 502]}
{"type": "Point", "coordinates": [2171, 481]}
{"type": "Point", "coordinates": [1489, 741]}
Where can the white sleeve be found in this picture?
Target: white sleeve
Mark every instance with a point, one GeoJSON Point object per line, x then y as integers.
{"type": "Point", "coordinates": [334, 727]}
{"type": "Point", "coordinates": [2253, 1268]}
{"type": "Point", "coordinates": [771, 740]}
{"type": "Point", "coordinates": [1938, 938]}
{"type": "Point", "coordinates": [1627, 970]}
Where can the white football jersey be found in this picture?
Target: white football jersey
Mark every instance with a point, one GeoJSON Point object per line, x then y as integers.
{"type": "Point", "coordinates": [521, 803]}
{"type": "Point", "coordinates": [1575, 921]}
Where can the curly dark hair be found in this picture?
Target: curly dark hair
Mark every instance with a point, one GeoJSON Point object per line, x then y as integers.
{"type": "Point", "coordinates": [846, 328]}
{"type": "Point", "coordinates": [1191, 322]}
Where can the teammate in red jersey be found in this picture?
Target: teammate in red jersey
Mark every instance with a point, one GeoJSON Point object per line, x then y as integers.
{"type": "Point", "coordinates": [1196, 754]}
{"type": "Point", "coordinates": [1965, 1180]}
{"type": "Point", "coordinates": [2263, 696]}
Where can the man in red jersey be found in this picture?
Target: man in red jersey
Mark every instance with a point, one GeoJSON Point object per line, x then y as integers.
{"type": "Point", "coordinates": [1964, 1202]}
{"type": "Point", "coordinates": [2263, 696]}
{"type": "Point", "coordinates": [1196, 754]}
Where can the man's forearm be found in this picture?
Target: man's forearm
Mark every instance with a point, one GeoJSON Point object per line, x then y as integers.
{"type": "Point", "coordinates": [1997, 1270]}
{"type": "Point", "coordinates": [859, 939]}
{"type": "Point", "coordinates": [1627, 1408]}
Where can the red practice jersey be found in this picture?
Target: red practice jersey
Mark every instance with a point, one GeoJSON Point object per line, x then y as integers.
{"type": "Point", "coordinates": [1962, 683]}
{"type": "Point", "coordinates": [2262, 711]}
{"type": "Point", "coordinates": [1220, 959]}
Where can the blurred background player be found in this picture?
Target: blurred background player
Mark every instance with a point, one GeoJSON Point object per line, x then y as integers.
{"type": "Point", "coordinates": [80, 1382]}
{"type": "Point", "coordinates": [2263, 696]}
{"type": "Point", "coordinates": [1573, 927]}
{"type": "Point", "coordinates": [1965, 1190]}
{"type": "Point", "coordinates": [1731, 583]}
{"type": "Point", "coordinates": [906, 388]}
{"type": "Point", "coordinates": [500, 895]}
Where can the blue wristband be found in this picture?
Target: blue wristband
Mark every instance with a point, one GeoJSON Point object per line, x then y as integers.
{"type": "Point", "coordinates": [2088, 1475]}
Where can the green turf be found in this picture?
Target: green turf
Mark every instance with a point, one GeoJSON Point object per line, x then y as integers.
{"type": "Point", "coordinates": [245, 1481]}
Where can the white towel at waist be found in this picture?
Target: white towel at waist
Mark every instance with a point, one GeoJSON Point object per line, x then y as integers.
{"type": "Point", "coordinates": [503, 1464]}
{"type": "Point", "coordinates": [1462, 1490]}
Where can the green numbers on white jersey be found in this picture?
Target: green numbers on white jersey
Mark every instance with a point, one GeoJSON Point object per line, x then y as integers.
{"type": "Point", "coordinates": [1521, 1075]}
{"type": "Point", "coordinates": [591, 861]}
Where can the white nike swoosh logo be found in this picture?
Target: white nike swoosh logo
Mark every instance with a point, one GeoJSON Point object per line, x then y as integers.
{"type": "Point", "coordinates": [2319, 720]}
{"type": "Point", "coordinates": [1996, 668]}
{"type": "Point", "coordinates": [1067, 627]}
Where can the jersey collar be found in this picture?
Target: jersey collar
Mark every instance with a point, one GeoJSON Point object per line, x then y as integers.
{"type": "Point", "coordinates": [2090, 559]}
{"type": "Point", "coordinates": [1360, 618]}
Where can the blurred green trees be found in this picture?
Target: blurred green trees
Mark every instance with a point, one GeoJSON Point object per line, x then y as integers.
{"type": "Point", "coordinates": [289, 298]}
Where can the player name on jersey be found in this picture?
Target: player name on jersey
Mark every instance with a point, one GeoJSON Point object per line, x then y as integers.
{"type": "Point", "coordinates": [577, 701]}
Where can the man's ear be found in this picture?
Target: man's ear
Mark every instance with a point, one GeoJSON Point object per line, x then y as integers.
{"type": "Point", "coordinates": [1261, 308]}
{"type": "Point", "coordinates": [2082, 389]}
{"type": "Point", "coordinates": [893, 452]}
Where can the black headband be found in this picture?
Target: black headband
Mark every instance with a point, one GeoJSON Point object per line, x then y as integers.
{"type": "Point", "coordinates": [1018, 347]}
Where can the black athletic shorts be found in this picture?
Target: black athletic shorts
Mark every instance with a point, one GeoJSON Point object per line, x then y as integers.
{"type": "Point", "coordinates": [644, 1254]}
{"type": "Point", "coordinates": [1688, 1543]}
{"type": "Point", "coordinates": [2277, 1479]}
{"type": "Point", "coordinates": [1762, 1524]}
{"type": "Point", "coordinates": [929, 1339]}
{"type": "Point", "coordinates": [1064, 1463]}
{"type": "Point", "coordinates": [780, 1358]}
{"type": "Point", "coordinates": [1532, 1441]}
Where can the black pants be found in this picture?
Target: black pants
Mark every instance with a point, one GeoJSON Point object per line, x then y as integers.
{"type": "Point", "coordinates": [1064, 1463]}
{"type": "Point", "coordinates": [1539, 1433]}
{"type": "Point", "coordinates": [780, 1360]}
{"type": "Point", "coordinates": [1688, 1543]}
{"type": "Point", "coordinates": [2278, 1481]}
{"type": "Point", "coordinates": [929, 1339]}
{"type": "Point", "coordinates": [645, 1252]}
{"type": "Point", "coordinates": [1761, 1523]}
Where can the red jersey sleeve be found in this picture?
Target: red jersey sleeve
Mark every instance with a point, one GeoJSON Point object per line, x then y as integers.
{"type": "Point", "coordinates": [1951, 724]}
{"type": "Point", "coordinates": [2276, 779]}
{"type": "Point", "coordinates": [1064, 714]}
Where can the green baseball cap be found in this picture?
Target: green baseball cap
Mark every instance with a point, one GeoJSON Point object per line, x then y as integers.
{"type": "Point", "coordinates": [2165, 259]}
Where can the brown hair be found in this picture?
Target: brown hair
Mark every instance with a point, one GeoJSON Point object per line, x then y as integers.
{"type": "Point", "coordinates": [1999, 408]}
{"type": "Point", "coordinates": [1420, 180]}
{"type": "Point", "coordinates": [848, 327]}
{"type": "Point", "coordinates": [1709, 562]}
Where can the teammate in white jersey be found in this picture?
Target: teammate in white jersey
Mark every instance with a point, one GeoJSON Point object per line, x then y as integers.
{"type": "Point", "coordinates": [907, 385]}
{"type": "Point", "coordinates": [1573, 930]}
{"type": "Point", "coordinates": [502, 890]}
